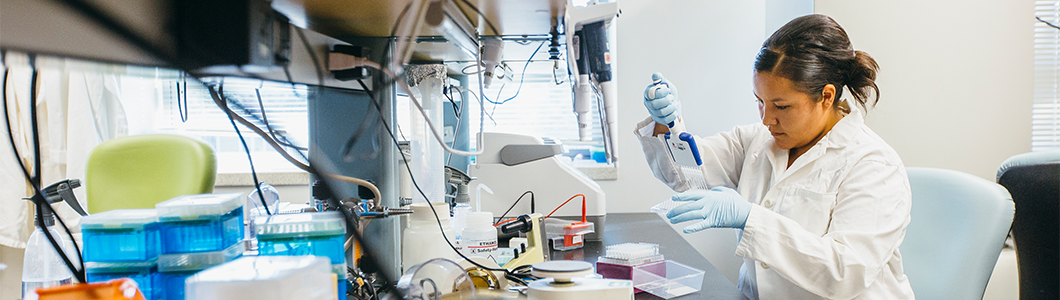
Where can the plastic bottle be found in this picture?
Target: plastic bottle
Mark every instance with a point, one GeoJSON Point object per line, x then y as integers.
{"type": "Point", "coordinates": [459, 221]}
{"type": "Point", "coordinates": [480, 237]}
{"type": "Point", "coordinates": [42, 266]}
{"type": "Point", "coordinates": [422, 240]}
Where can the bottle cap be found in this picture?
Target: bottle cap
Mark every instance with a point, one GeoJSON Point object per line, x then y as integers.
{"type": "Point", "coordinates": [421, 212]}
{"type": "Point", "coordinates": [479, 219]}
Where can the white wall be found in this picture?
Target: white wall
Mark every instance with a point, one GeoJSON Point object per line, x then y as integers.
{"type": "Point", "coordinates": [706, 49]}
{"type": "Point", "coordinates": [956, 77]}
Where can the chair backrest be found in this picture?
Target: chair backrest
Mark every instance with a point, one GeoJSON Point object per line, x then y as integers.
{"type": "Point", "coordinates": [959, 223]}
{"type": "Point", "coordinates": [141, 170]}
{"type": "Point", "coordinates": [1033, 179]}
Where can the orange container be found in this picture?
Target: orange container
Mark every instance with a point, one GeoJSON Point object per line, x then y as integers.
{"type": "Point", "coordinates": [109, 290]}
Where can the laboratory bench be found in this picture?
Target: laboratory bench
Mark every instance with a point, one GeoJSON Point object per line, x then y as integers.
{"type": "Point", "coordinates": [650, 228]}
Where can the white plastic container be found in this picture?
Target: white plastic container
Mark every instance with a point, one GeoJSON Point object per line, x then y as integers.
{"type": "Point", "coordinates": [480, 237]}
{"type": "Point", "coordinates": [459, 222]}
{"type": "Point", "coordinates": [265, 278]}
{"type": "Point", "coordinates": [422, 240]}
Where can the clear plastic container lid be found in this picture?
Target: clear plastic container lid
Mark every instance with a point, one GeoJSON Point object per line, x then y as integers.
{"type": "Point", "coordinates": [120, 267]}
{"type": "Point", "coordinates": [300, 225]}
{"type": "Point", "coordinates": [265, 278]}
{"type": "Point", "coordinates": [198, 260]}
{"type": "Point", "coordinates": [202, 206]}
{"type": "Point", "coordinates": [120, 218]}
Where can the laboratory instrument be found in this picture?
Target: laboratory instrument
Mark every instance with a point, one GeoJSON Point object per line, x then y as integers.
{"type": "Point", "coordinates": [566, 235]}
{"type": "Point", "coordinates": [265, 278]}
{"type": "Point", "coordinates": [512, 164]}
{"type": "Point", "coordinates": [588, 52]}
{"type": "Point", "coordinates": [567, 280]}
{"type": "Point", "coordinates": [535, 250]}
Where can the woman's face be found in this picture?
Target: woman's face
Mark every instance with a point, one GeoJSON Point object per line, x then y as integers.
{"type": "Point", "coordinates": [794, 119]}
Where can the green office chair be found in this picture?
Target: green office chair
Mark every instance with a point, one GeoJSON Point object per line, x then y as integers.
{"type": "Point", "coordinates": [959, 223]}
{"type": "Point", "coordinates": [142, 170]}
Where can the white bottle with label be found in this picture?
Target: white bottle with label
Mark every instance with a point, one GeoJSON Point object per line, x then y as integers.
{"type": "Point", "coordinates": [480, 237]}
{"type": "Point", "coordinates": [422, 240]}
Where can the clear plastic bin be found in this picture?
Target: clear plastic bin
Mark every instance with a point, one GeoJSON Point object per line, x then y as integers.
{"type": "Point", "coordinates": [200, 223]}
{"type": "Point", "coordinates": [320, 234]}
{"type": "Point", "coordinates": [265, 278]}
{"type": "Point", "coordinates": [184, 262]}
{"type": "Point", "coordinates": [120, 235]}
{"type": "Point", "coordinates": [144, 273]}
{"type": "Point", "coordinates": [679, 280]}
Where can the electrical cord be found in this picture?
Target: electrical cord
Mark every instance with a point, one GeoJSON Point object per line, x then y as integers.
{"type": "Point", "coordinates": [517, 202]}
{"type": "Point", "coordinates": [417, 186]}
{"type": "Point", "coordinates": [265, 119]}
{"type": "Point", "coordinates": [1047, 22]}
{"type": "Point", "coordinates": [253, 172]}
{"type": "Point", "coordinates": [434, 130]}
{"type": "Point", "coordinates": [521, 77]}
{"type": "Point", "coordinates": [34, 180]}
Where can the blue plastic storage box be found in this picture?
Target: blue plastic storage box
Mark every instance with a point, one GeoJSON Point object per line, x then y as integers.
{"type": "Point", "coordinates": [320, 234]}
{"type": "Point", "coordinates": [200, 223]}
{"type": "Point", "coordinates": [145, 273]}
{"type": "Point", "coordinates": [120, 235]}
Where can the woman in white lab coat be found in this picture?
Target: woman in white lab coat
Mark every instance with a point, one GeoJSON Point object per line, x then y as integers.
{"type": "Point", "coordinates": [822, 201]}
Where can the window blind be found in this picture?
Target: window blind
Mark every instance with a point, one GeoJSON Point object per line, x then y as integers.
{"type": "Point", "coordinates": [1045, 120]}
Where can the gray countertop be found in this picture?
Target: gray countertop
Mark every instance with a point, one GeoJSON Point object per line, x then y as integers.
{"type": "Point", "coordinates": [650, 228]}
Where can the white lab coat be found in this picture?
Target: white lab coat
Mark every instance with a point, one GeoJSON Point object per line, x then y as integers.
{"type": "Point", "coordinates": [828, 227]}
{"type": "Point", "coordinates": [78, 107]}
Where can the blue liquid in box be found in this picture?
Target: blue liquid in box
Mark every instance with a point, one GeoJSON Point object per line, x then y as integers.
{"type": "Point", "coordinates": [205, 234]}
{"type": "Point", "coordinates": [145, 273]}
{"type": "Point", "coordinates": [125, 235]}
{"type": "Point", "coordinates": [173, 284]}
{"type": "Point", "coordinates": [330, 247]}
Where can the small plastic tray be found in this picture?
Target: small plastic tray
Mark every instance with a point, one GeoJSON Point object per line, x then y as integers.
{"type": "Point", "coordinates": [680, 280]}
{"type": "Point", "coordinates": [184, 262]}
{"type": "Point", "coordinates": [109, 290]}
{"type": "Point", "coordinates": [664, 207]}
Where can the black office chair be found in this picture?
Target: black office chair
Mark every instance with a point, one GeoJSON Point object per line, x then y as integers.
{"type": "Point", "coordinates": [1033, 180]}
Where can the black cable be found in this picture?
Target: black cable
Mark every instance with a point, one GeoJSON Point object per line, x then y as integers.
{"type": "Point", "coordinates": [1047, 22]}
{"type": "Point", "coordinates": [181, 109]}
{"type": "Point", "coordinates": [265, 119]}
{"type": "Point", "coordinates": [521, 78]}
{"type": "Point", "coordinates": [409, 169]}
{"type": "Point", "coordinates": [517, 202]}
{"type": "Point", "coordinates": [472, 6]}
{"type": "Point", "coordinates": [34, 180]}
{"type": "Point", "coordinates": [253, 173]}
{"type": "Point", "coordinates": [387, 283]}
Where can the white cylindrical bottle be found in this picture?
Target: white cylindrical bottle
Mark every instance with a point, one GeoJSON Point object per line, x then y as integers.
{"type": "Point", "coordinates": [42, 266]}
{"type": "Point", "coordinates": [460, 212]}
{"type": "Point", "coordinates": [422, 240]}
{"type": "Point", "coordinates": [480, 237]}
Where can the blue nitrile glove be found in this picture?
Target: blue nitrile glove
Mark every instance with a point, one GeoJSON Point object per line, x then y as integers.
{"type": "Point", "coordinates": [720, 207]}
{"type": "Point", "coordinates": [663, 107]}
